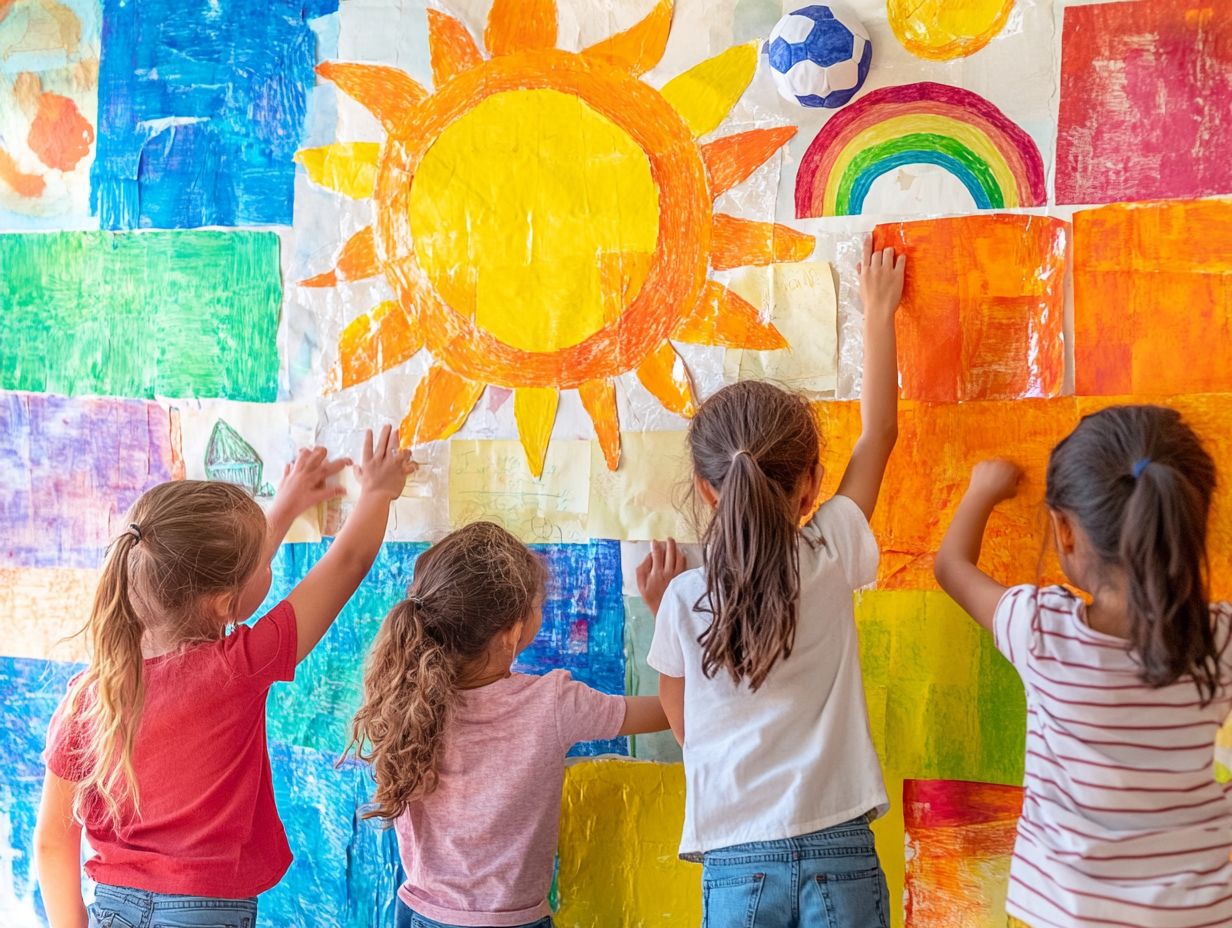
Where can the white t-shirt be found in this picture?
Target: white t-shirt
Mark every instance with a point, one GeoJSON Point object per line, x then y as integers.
{"type": "Point", "coordinates": [795, 756]}
{"type": "Point", "coordinates": [1122, 820]}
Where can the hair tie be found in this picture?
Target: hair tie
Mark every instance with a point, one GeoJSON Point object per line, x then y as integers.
{"type": "Point", "coordinates": [744, 451]}
{"type": "Point", "coordinates": [1139, 466]}
{"type": "Point", "coordinates": [415, 601]}
{"type": "Point", "coordinates": [135, 530]}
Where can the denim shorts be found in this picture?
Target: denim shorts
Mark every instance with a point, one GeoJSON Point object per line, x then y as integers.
{"type": "Point", "coordinates": [405, 918]}
{"type": "Point", "coordinates": [827, 879]}
{"type": "Point", "coordinates": [118, 907]}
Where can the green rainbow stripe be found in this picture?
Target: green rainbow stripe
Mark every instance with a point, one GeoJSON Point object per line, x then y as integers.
{"type": "Point", "coordinates": [918, 148]}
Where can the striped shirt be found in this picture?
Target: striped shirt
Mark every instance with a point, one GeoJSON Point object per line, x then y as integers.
{"type": "Point", "coordinates": [1123, 824]}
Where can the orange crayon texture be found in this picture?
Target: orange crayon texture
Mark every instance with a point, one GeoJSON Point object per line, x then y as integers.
{"type": "Point", "coordinates": [983, 306]}
{"type": "Point", "coordinates": [938, 445]}
{"type": "Point", "coordinates": [59, 134]}
{"type": "Point", "coordinates": [1153, 298]}
{"type": "Point", "coordinates": [961, 838]}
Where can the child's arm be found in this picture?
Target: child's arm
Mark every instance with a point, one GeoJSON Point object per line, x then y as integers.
{"type": "Point", "coordinates": [671, 698]}
{"type": "Point", "coordinates": [305, 483]}
{"type": "Point", "coordinates": [663, 564]}
{"type": "Point", "coordinates": [57, 855]}
{"type": "Point", "coordinates": [955, 565]}
{"type": "Point", "coordinates": [320, 596]}
{"type": "Point", "coordinates": [881, 287]}
{"type": "Point", "coordinates": [643, 714]}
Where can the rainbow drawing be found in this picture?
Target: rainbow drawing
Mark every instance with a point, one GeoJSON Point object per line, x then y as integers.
{"type": "Point", "coordinates": [921, 123]}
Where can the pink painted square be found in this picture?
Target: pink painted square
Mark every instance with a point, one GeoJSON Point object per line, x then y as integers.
{"type": "Point", "coordinates": [1146, 101]}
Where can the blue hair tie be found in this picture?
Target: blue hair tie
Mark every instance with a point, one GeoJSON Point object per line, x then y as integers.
{"type": "Point", "coordinates": [1139, 466]}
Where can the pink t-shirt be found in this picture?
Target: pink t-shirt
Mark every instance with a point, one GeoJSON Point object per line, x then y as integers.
{"type": "Point", "coordinates": [478, 850]}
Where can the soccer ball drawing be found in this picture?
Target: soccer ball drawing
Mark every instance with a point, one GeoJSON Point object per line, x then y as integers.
{"type": "Point", "coordinates": [819, 56]}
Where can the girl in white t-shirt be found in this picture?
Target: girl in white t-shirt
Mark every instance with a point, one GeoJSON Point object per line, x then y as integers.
{"type": "Point", "coordinates": [1122, 821]}
{"type": "Point", "coordinates": [757, 650]}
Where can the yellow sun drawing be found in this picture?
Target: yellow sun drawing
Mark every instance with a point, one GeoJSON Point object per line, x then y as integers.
{"type": "Point", "coordinates": [546, 221]}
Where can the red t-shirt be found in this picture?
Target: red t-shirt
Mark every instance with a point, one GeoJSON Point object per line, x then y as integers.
{"type": "Point", "coordinates": [208, 823]}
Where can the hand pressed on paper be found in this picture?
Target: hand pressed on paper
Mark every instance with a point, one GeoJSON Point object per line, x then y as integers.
{"type": "Point", "coordinates": [305, 481]}
{"type": "Point", "coordinates": [664, 563]}
{"type": "Point", "coordinates": [994, 481]}
{"type": "Point", "coordinates": [882, 275]}
{"type": "Point", "coordinates": [384, 467]}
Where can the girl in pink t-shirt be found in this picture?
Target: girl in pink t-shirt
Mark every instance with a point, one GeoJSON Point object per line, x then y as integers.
{"type": "Point", "coordinates": [469, 757]}
{"type": "Point", "coordinates": [158, 751]}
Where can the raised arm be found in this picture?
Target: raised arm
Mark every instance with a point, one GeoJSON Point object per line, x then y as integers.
{"type": "Point", "coordinates": [663, 564]}
{"type": "Point", "coordinates": [955, 566]}
{"type": "Point", "coordinates": [881, 288]}
{"type": "Point", "coordinates": [57, 855]}
{"type": "Point", "coordinates": [320, 596]}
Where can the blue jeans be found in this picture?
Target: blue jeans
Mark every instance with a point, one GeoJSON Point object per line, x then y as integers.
{"type": "Point", "coordinates": [405, 918]}
{"type": "Point", "coordinates": [827, 879]}
{"type": "Point", "coordinates": [118, 907]}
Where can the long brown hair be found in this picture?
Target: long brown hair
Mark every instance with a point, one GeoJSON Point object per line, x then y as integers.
{"type": "Point", "coordinates": [754, 444]}
{"type": "Point", "coordinates": [187, 539]}
{"type": "Point", "coordinates": [469, 587]}
{"type": "Point", "coordinates": [1139, 483]}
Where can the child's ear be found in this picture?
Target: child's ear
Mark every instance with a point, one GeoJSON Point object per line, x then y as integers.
{"type": "Point", "coordinates": [708, 494]}
{"type": "Point", "coordinates": [1062, 531]}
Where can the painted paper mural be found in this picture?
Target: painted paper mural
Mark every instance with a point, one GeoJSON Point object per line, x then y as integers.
{"type": "Point", "coordinates": [960, 837]}
{"type": "Point", "coordinates": [48, 107]}
{"type": "Point", "coordinates": [536, 235]}
{"type": "Point", "coordinates": [1138, 116]}
{"type": "Point", "coordinates": [141, 315]}
{"type": "Point", "coordinates": [1131, 262]}
{"type": "Point", "coordinates": [983, 310]}
{"type": "Point", "coordinates": [609, 283]}
{"type": "Point", "coordinates": [203, 104]}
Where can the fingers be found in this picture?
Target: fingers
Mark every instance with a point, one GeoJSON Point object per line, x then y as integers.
{"type": "Point", "coordinates": [367, 455]}
{"type": "Point", "coordinates": [866, 261]}
{"type": "Point", "coordinates": [382, 443]}
{"type": "Point", "coordinates": [670, 556]}
{"type": "Point", "coordinates": [334, 467]}
{"type": "Point", "coordinates": [643, 570]}
{"type": "Point", "coordinates": [657, 551]}
{"type": "Point", "coordinates": [901, 264]}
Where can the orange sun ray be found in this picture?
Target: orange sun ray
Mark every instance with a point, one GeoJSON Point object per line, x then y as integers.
{"type": "Point", "coordinates": [665, 375]}
{"type": "Point", "coordinates": [638, 48]}
{"type": "Point", "coordinates": [453, 50]}
{"type": "Point", "coordinates": [374, 343]}
{"type": "Point", "coordinates": [534, 410]}
{"type": "Point", "coordinates": [731, 159]}
{"type": "Point", "coordinates": [737, 242]}
{"type": "Point", "coordinates": [357, 261]}
{"type": "Point", "coordinates": [441, 403]}
{"type": "Point", "coordinates": [387, 93]}
{"type": "Point", "coordinates": [520, 26]}
{"type": "Point", "coordinates": [599, 399]}
{"type": "Point", "coordinates": [726, 319]}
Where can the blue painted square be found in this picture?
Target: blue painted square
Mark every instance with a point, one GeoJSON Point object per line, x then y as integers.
{"type": "Point", "coordinates": [201, 107]}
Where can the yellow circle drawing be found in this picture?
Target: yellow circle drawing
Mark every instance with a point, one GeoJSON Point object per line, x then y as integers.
{"type": "Point", "coordinates": [944, 29]}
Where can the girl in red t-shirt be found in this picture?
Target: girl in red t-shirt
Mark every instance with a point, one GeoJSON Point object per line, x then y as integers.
{"type": "Point", "coordinates": [158, 750]}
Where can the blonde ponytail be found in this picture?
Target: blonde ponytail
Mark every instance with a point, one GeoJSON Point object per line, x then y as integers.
{"type": "Point", "coordinates": [109, 695]}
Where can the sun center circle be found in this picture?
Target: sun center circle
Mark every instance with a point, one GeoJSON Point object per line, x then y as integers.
{"type": "Point", "coordinates": [537, 216]}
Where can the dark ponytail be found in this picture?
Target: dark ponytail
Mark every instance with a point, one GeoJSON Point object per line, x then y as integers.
{"type": "Point", "coordinates": [1163, 548]}
{"type": "Point", "coordinates": [754, 444]}
{"type": "Point", "coordinates": [1139, 483]}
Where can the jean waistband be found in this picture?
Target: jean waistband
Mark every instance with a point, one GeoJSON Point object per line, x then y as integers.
{"type": "Point", "coordinates": [854, 834]}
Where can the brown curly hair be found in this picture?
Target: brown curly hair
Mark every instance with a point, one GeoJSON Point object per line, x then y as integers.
{"type": "Point", "coordinates": [469, 587]}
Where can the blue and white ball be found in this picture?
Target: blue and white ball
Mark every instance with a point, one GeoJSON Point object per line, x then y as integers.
{"type": "Point", "coordinates": [819, 56]}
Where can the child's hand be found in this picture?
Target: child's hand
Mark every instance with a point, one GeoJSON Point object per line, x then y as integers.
{"type": "Point", "coordinates": [384, 466]}
{"type": "Point", "coordinates": [995, 481]}
{"type": "Point", "coordinates": [658, 568]}
{"type": "Point", "coordinates": [881, 280]}
{"type": "Point", "coordinates": [305, 481]}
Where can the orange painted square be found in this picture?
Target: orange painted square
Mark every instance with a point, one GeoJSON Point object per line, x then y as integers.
{"type": "Point", "coordinates": [1153, 298]}
{"type": "Point", "coordinates": [938, 446]}
{"type": "Point", "coordinates": [983, 306]}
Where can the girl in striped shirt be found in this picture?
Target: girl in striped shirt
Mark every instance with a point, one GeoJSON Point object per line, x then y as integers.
{"type": "Point", "coordinates": [1122, 823]}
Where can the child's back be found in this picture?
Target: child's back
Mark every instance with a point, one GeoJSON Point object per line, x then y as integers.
{"type": "Point", "coordinates": [794, 755]}
{"type": "Point", "coordinates": [469, 757]}
{"type": "Point", "coordinates": [1122, 820]}
{"type": "Point", "coordinates": [1121, 804]}
{"type": "Point", "coordinates": [501, 768]}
